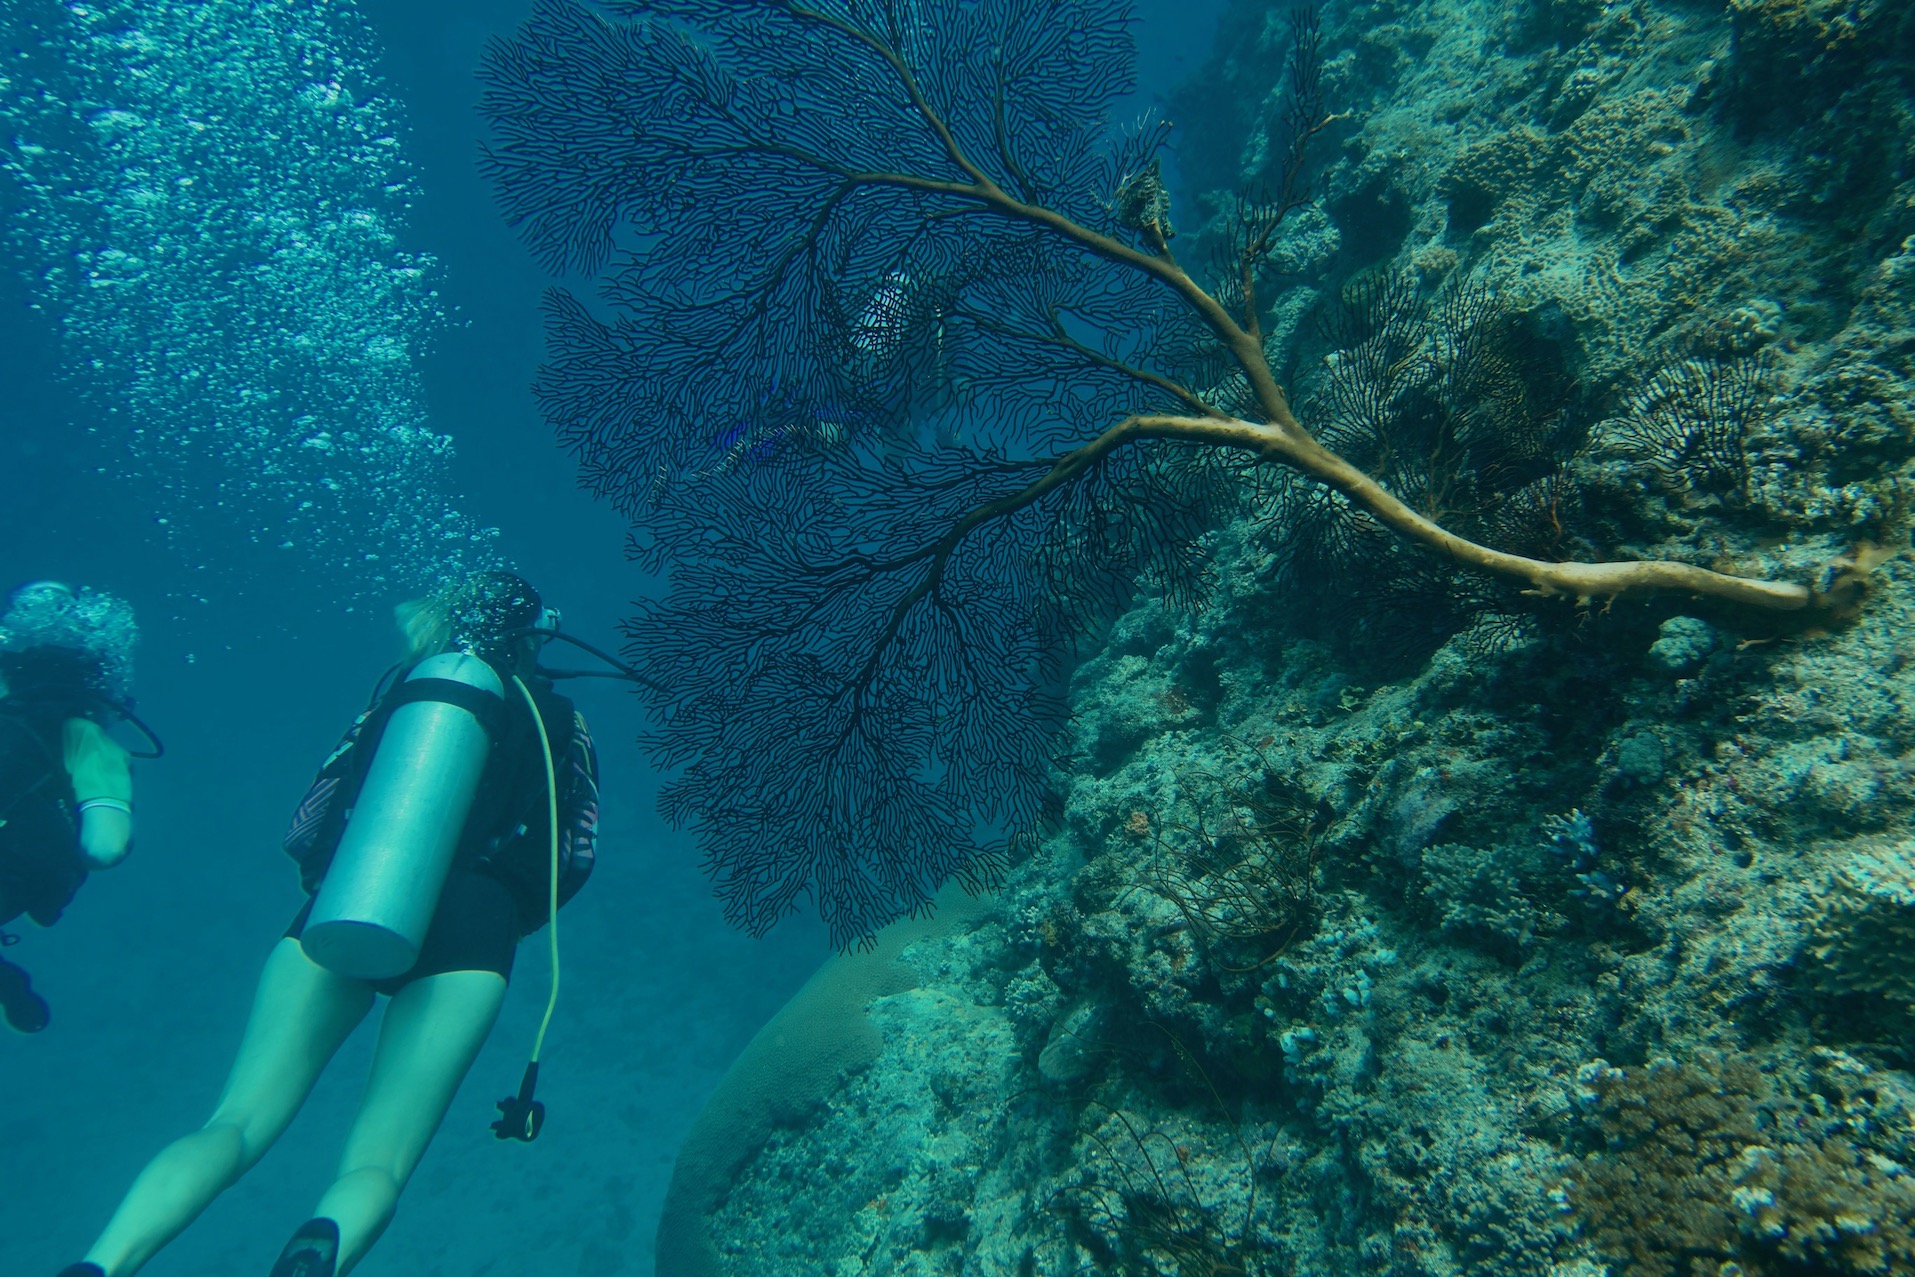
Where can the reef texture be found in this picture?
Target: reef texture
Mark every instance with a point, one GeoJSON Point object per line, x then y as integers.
{"type": "Point", "coordinates": [1557, 943]}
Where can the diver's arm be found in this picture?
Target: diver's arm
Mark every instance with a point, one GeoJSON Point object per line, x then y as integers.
{"type": "Point", "coordinates": [106, 832]}
{"type": "Point", "coordinates": [103, 787]}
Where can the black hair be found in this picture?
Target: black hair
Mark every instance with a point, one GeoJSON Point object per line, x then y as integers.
{"type": "Point", "coordinates": [55, 681]}
{"type": "Point", "coordinates": [495, 608]}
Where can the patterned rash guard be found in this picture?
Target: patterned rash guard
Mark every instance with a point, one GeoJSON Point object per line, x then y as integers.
{"type": "Point", "coordinates": [506, 832]}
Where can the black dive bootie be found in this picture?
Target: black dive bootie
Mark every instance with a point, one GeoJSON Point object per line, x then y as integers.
{"type": "Point", "coordinates": [313, 1251]}
{"type": "Point", "coordinates": [26, 1011]}
{"type": "Point", "coordinates": [82, 1270]}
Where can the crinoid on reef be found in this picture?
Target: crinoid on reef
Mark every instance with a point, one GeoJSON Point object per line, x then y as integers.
{"type": "Point", "coordinates": [1237, 855]}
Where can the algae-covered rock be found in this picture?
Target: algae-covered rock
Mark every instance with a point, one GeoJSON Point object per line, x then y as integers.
{"type": "Point", "coordinates": [1073, 1047]}
{"type": "Point", "coordinates": [1864, 931]}
{"type": "Point", "coordinates": [790, 1070]}
{"type": "Point", "coordinates": [1683, 643]}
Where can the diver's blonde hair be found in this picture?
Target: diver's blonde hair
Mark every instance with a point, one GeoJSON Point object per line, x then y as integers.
{"type": "Point", "coordinates": [425, 625]}
{"type": "Point", "coordinates": [439, 621]}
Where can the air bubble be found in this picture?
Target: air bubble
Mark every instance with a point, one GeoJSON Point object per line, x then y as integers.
{"type": "Point", "coordinates": [245, 319]}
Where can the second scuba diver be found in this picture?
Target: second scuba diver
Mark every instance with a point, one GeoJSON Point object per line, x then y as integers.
{"type": "Point", "coordinates": [456, 815]}
{"type": "Point", "coordinates": [66, 790]}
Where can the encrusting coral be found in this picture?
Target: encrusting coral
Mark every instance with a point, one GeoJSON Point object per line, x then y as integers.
{"type": "Point", "coordinates": [1864, 930]}
{"type": "Point", "coordinates": [1715, 1166]}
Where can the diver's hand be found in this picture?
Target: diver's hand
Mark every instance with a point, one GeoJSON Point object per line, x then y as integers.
{"type": "Point", "coordinates": [106, 835]}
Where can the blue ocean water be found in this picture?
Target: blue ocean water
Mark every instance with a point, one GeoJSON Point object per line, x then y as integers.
{"type": "Point", "coordinates": [265, 624]}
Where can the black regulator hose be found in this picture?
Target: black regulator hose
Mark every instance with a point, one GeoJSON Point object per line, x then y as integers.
{"type": "Point", "coordinates": [125, 710]}
{"type": "Point", "coordinates": [619, 670]}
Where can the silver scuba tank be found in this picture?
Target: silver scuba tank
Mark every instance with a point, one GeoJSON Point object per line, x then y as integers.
{"type": "Point", "coordinates": [383, 885]}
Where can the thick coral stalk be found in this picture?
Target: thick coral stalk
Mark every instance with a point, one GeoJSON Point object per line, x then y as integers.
{"type": "Point", "coordinates": [1289, 444]}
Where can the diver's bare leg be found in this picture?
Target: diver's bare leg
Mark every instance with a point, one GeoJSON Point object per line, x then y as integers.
{"type": "Point", "coordinates": [301, 1014]}
{"type": "Point", "coordinates": [432, 1032]}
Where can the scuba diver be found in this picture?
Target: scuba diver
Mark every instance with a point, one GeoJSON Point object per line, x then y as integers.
{"type": "Point", "coordinates": [456, 815]}
{"type": "Point", "coordinates": [66, 789]}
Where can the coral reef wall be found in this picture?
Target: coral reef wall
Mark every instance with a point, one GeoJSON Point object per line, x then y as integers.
{"type": "Point", "coordinates": [1567, 942]}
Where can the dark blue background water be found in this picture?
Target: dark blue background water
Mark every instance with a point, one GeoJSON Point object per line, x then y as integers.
{"type": "Point", "coordinates": [151, 972]}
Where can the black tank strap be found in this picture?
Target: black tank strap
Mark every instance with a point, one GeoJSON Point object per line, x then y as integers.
{"type": "Point", "coordinates": [482, 705]}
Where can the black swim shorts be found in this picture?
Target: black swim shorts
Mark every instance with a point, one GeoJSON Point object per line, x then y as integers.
{"type": "Point", "coordinates": [475, 928]}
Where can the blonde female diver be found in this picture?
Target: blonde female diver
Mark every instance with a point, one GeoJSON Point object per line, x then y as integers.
{"type": "Point", "coordinates": [525, 846]}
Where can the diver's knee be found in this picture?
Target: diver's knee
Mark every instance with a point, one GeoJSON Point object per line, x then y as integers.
{"type": "Point", "coordinates": [372, 1191]}
{"type": "Point", "coordinates": [241, 1140]}
{"type": "Point", "coordinates": [217, 1150]}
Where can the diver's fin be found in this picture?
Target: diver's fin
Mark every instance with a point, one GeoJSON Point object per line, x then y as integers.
{"type": "Point", "coordinates": [312, 1252]}
{"type": "Point", "coordinates": [25, 1010]}
{"type": "Point", "coordinates": [82, 1270]}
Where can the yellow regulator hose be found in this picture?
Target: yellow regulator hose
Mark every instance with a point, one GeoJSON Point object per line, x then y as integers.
{"type": "Point", "coordinates": [552, 899]}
